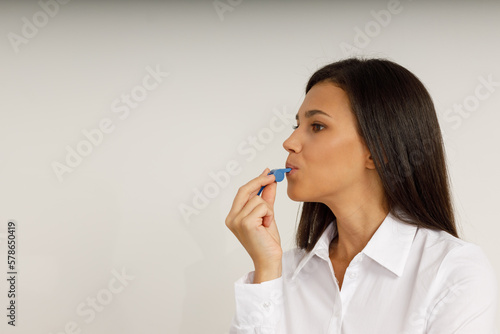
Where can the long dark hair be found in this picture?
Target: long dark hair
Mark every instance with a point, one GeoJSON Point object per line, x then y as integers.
{"type": "Point", "coordinates": [397, 121]}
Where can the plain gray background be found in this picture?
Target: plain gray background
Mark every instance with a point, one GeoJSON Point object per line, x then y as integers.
{"type": "Point", "coordinates": [232, 66]}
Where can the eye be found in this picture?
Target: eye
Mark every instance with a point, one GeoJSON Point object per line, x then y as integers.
{"type": "Point", "coordinates": [315, 127]}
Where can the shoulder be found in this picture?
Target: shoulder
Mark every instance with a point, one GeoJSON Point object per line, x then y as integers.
{"type": "Point", "coordinates": [451, 249]}
{"type": "Point", "coordinates": [451, 252]}
{"type": "Point", "coordinates": [466, 262]}
{"type": "Point", "coordinates": [433, 239]}
{"type": "Point", "coordinates": [462, 283]}
{"type": "Point", "coordinates": [457, 263]}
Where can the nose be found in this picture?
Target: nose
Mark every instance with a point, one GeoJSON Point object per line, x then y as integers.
{"type": "Point", "coordinates": [292, 144]}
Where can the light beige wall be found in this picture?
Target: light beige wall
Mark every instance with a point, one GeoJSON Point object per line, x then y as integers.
{"type": "Point", "coordinates": [232, 76]}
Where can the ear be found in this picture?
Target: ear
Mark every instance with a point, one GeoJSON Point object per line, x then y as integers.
{"type": "Point", "coordinates": [369, 163]}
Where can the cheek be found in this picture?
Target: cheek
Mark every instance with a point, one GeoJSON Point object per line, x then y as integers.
{"type": "Point", "coordinates": [330, 166]}
{"type": "Point", "coordinates": [339, 165]}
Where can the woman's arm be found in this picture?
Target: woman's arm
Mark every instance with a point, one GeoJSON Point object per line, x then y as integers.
{"type": "Point", "coordinates": [259, 306]}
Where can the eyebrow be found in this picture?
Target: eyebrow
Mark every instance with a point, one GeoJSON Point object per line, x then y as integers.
{"type": "Point", "coordinates": [311, 113]}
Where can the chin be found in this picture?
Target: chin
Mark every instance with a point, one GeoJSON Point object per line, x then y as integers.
{"type": "Point", "coordinates": [296, 196]}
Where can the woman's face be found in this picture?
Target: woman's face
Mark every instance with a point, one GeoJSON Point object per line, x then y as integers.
{"type": "Point", "coordinates": [332, 160]}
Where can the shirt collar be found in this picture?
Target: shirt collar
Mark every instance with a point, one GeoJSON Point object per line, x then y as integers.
{"type": "Point", "coordinates": [321, 248]}
{"type": "Point", "coordinates": [389, 246]}
{"type": "Point", "coordinates": [391, 243]}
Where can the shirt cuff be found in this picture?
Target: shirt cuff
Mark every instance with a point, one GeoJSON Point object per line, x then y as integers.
{"type": "Point", "coordinates": [258, 305]}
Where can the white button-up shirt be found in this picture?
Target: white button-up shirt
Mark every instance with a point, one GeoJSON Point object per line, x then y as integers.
{"type": "Point", "coordinates": [406, 280]}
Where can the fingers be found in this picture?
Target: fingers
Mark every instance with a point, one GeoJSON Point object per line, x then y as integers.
{"type": "Point", "coordinates": [254, 218]}
{"type": "Point", "coordinates": [251, 219]}
{"type": "Point", "coordinates": [269, 193]}
{"type": "Point", "coordinates": [252, 209]}
{"type": "Point", "coordinates": [263, 179]}
{"type": "Point", "coordinates": [248, 228]}
{"type": "Point", "coordinates": [249, 190]}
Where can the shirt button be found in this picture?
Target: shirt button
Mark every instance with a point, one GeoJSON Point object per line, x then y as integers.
{"type": "Point", "coordinates": [352, 275]}
{"type": "Point", "coordinates": [266, 305]}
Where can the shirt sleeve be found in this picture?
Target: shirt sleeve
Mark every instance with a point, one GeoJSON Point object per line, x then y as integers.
{"type": "Point", "coordinates": [259, 307]}
{"type": "Point", "coordinates": [469, 298]}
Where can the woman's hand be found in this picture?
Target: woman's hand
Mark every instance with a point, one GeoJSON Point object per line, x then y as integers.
{"type": "Point", "coordinates": [251, 219]}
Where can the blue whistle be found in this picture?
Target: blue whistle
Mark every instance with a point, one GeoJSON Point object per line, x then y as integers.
{"type": "Point", "coordinates": [279, 175]}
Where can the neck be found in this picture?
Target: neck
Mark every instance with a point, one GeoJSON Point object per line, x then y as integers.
{"type": "Point", "coordinates": [353, 234]}
{"type": "Point", "coordinates": [359, 214]}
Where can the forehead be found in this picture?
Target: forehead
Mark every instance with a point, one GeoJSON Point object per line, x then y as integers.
{"type": "Point", "coordinates": [327, 97]}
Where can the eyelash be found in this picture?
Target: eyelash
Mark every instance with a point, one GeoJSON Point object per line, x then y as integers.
{"type": "Point", "coordinates": [313, 125]}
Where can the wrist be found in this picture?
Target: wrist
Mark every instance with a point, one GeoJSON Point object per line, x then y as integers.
{"type": "Point", "coordinates": [267, 273]}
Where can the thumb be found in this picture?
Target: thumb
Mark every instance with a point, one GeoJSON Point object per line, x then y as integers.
{"type": "Point", "coordinates": [269, 193]}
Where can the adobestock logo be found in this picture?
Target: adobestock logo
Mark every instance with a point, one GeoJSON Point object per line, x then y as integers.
{"type": "Point", "coordinates": [30, 29]}
{"type": "Point", "coordinates": [225, 6]}
{"type": "Point", "coordinates": [372, 28]}
{"type": "Point", "coordinates": [472, 102]}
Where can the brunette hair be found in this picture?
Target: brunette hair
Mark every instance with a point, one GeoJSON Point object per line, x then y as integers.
{"type": "Point", "coordinates": [397, 120]}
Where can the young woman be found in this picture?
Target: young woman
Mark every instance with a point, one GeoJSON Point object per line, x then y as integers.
{"type": "Point", "coordinates": [377, 246]}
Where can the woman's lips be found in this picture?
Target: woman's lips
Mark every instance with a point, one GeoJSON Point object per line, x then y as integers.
{"type": "Point", "coordinates": [293, 167]}
{"type": "Point", "coordinates": [293, 171]}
